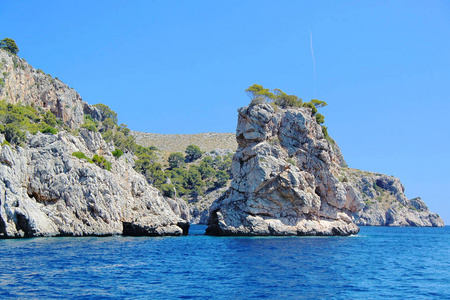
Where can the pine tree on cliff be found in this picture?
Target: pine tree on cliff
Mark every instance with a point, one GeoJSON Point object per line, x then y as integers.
{"type": "Point", "coordinates": [9, 45]}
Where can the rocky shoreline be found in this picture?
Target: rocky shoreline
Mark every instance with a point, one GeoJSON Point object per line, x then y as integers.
{"type": "Point", "coordinates": [288, 179]}
{"type": "Point", "coordinates": [49, 192]}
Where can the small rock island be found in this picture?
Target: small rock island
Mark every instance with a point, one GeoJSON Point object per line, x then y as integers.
{"type": "Point", "coordinates": [286, 179]}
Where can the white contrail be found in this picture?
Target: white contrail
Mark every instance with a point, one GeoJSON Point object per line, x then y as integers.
{"type": "Point", "coordinates": [312, 53]}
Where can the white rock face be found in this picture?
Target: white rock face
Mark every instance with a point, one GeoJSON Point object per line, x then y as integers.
{"type": "Point", "coordinates": [286, 179]}
{"type": "Point", "coordinates": [45, 191]}
{"type": "Point", "coordinates": [386, 203]}
{"type": "Point", "coordinates": [24, 84]}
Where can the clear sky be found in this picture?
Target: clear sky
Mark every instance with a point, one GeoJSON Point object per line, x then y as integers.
{"type": "Point", "coordinates": [183, 66]}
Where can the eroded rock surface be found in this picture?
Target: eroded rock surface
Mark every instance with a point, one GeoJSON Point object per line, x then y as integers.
{"type": "Point", "coordinates": [21, 83]}
{"type": "Point", "coordinates": [286, 179]}
{"type": "Point", "coordinates": [386, 203]}
{"type": "Point", "coordinates": [45, 191]}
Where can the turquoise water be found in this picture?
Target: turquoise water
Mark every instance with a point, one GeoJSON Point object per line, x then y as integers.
{"type": "Point", "coordinates": [379, 263]}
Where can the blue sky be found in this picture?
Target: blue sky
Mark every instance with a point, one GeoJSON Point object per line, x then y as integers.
{"type": "Point", "coordinates": [183, 66]}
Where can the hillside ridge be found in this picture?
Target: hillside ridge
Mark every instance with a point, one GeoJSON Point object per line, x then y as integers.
{"type": "Point", "coordinates": [207, 141]}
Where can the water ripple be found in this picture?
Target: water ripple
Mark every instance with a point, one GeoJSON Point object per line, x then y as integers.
{"type": "Point", "coordinates": [378, 263]}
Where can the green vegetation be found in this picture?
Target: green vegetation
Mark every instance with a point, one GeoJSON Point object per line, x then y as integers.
{"type": "Point", "coordinates": [193, 153]}
{"type": "Point", "coordinates": [168, 190]}
{"type": "Point", "coordinates": [277, 98]}
{"type": "Point", "coordinates": [9, 45]}
{"type": "Point", "coordinates": [318, 103]}
{"type": "Point", "coordinates": [16, 118]}
{"type": "Point", "coordinates": [117, 153]}
{"type": "Point", "coordinates": [101, 162]}
{"type": "Point", "coordinates": [176, 160]}
{"type": "Point", "coordinates": [193, 180]}
{"type": "Point", "coordinates": [284, 100]}
{"type": "Point", "coordinates": [259, 94]}
{"type": "Point", "coordinates": [178, 179]}
{"type": "Point", "coordinates": [107, 113]}
{"type": "Point", "coordinates": [320, 118]}
{"type": "Point", "coordinates": [222, 178]}
{"type": "Point", "coordinates": [326, 135]}
{"type": "Point", "coordinates": [89, 123]}
{"type": "Point", "coordinates": [182, 174]}
{"type": "Point", "coordinates": [97, 159]}
{"type": "Point", "coordinates": [50, 129]}
{"type": "Point", "coordinates": [196, 179]}
{"type": "Point", "coordinates": [81, 155]}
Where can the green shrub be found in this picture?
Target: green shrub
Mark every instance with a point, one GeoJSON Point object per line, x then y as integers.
{"type": "Point", "coordinates": [193, 153]}
{"type": "Point", "coordinates": [17, 118]}
{"type": "Point", "coordinates": [90, 124]}
{"type": "Point", "coordinates": [206, 171]}
{"type": "Point", "coordinates": [49, 129]}
{"type": "Point", "coordinates": [284, 100]}
{"type": "Point", "coordinates": [90, 127]}
{"type": "Point", "coordinates": [101, 162]}
{"type": "Point", "coordinates": [318, 103]}
{"type": "Point", "coordinates": [168, 190]}
{"type": "Point", "coordinates": [81, 155]}
{"type": "Point", "coordinates": [117, 153]}
{"type": "Point", "coordinates": [326, 135]}
{"type": "Point", "coordinates": [320, 118]}
{"type": "Point", "coordinates": [311, 106]}
{"type": "Point", "coordinates": [106, 112]}
{"type": "Point", "coordinates": [259, 94]}
{"type": "Point", "coordinates": [176, 160]}
{"type": "Point", "coordinates": [221, 179]}
{"type": "Point", "coordinates": [13, 134]}
{"type": "Point", "coordinates": [9, 45]}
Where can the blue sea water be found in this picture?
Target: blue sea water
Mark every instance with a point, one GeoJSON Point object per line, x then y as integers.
{"type": "Point", "coordinates": [378, 263]}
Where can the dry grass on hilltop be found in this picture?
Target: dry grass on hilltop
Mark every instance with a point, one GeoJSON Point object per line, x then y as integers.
{"type": "Point", "coordinates": [168, 143]}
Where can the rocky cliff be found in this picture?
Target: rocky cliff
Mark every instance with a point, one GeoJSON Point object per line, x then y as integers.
{"type": "Point", "coordinates": [45, 191]}
{"type": "Point", "coordinates": [386, 203]}
{"type": "Point", "coordinates": [286, 179]}
{"type": "Point", "coordinates": [21, 83]}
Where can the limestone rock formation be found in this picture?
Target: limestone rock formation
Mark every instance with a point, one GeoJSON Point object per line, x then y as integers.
{"type": "Point", "coordinates": [286, 179]}
{"type": "Point", "coordinates": [45, 191]}
{"type": "Point", "coordinates": [386, 203]}
{"type": "Point", "coordinates": [21, 83]}
{"type": "Point", "coordinates": [199, 210]}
